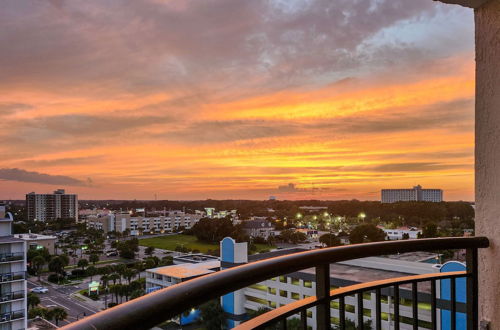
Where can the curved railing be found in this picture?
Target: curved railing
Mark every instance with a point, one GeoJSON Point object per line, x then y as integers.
{"type": "Point", "coordinates": [154, 308]}
{"type": "Point", "coordinates": [279, 316]}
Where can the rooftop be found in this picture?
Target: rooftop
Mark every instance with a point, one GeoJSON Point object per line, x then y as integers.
{"type": "Point", "coordinates": [33, 237]}
{"type": "Point", "coordinates": [9, 239]}
{"type": "Point", "coordinates": [186, 271]}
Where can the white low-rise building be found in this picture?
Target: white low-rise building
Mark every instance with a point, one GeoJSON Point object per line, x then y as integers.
{"type": "Point", "coordinates": [139, 225]}
{"type": "Point", "coordinates": [402, 233]}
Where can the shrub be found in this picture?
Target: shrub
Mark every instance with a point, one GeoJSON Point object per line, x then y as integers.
{"type": "Point", "coordinates": [112, 304]}
{"type": "Point", "coordinates": [54, 278]}
{"type": "Point", "coordinates": [78, 272]}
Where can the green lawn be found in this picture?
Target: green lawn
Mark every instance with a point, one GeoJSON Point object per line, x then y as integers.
{"type": "Point", "coordinates": [188, 241]}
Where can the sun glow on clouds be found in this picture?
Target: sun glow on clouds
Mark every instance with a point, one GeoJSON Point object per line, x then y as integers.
{"type": "Point", "coordinates": [234, 99]}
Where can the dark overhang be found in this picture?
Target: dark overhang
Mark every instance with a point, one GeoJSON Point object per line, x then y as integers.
{"type": "Point", "coordinates": [466, 3]}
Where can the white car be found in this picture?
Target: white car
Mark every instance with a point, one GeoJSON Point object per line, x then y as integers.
{"type": "Point", "coordinates": [39, 289]}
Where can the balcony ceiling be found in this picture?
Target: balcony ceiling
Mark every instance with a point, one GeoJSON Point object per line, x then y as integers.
{"type": "Point", "coordinates": [466, 3]}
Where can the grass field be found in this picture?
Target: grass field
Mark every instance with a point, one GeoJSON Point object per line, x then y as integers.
{"type": "Point", "coordinates": [187, 241]}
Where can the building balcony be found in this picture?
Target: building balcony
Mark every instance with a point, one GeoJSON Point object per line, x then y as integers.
{"type": "Point", "coordinates": [13, 256]}
{"type": "Point", "coordinates": [11, 316]}
{"type": "Point", "coordinates": [330, 305]}
{"type": "Point", "coordinates": [9, 296]}
{"type": "Point", "coordinates": [7, 277]}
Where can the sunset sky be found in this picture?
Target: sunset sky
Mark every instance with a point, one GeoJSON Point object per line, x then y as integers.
{"type": "Point", "coordinates": [125, 99]}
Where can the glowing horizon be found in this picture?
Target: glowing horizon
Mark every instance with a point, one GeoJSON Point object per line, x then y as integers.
{"type": "Point", "coordinates": [232, 99]}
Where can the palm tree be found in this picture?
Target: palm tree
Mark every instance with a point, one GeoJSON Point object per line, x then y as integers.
{"type": "Point", "coordinates": [33, 300]}
{"type": "Point", "coordinates": [120, 270]}
{"type": "Point", "coordinates": [104, 280]}
{"type": "Point", "coordinates": [91, 271]}
{"type": "Point", "coordinates": [58, 314]}
{"type": "Point", "coordinates": [37, 264]}
{"type": "Point", "coordinates": [114, 277]}
{"type": "Point", "coordinates": [129, 274]}
{"type": "Point", "coordinates": [94, 258]}
{"type": "Point", "coordinates": [82, 263]}
{"type": "Point", "coordinates": [57, 265]}
{"type": "Point", "coordinates": [139, 266]}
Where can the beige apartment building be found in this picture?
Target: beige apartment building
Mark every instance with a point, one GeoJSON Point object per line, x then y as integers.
{"type": "Point", "coordinates": [38, 241]}
{"type": "Point", "coordinates": [140, 225]}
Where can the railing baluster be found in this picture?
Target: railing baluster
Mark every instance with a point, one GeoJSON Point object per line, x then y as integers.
{"type": "Point", "coordinates": [453, 304]}
{"type": "Point", "coordinates": [342, 312]}
{"type": "Point", "coordinates": [323, 292]}
{"type": "Point", "coordinates": [396, 307]}
{"type": "Point", "coordinates": [414, 304]}
{"type": "Point", "coordinates": [378, 309]}
{"type": "Point", "coordinates": [360, 310]}
{"type": "Point", "coordinates": [283, 324]}
{"type": "Point", "coordinates": [472, 294]}
{"type": "Point", "coordinates": [303, 319]}
{"type": "Point", "coordinates": [433, 305]}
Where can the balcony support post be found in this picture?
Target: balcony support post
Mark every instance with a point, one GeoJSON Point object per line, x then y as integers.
{"type": "Point", "coordinates": [323, 292]}
{"type": "Point", "coordinates": [472, 306]}
{"type": "Point", "coordinates": [487, 157]}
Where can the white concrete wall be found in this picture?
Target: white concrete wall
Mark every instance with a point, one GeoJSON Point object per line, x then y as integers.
{"type": "Point", "coordinates": [488, 157]}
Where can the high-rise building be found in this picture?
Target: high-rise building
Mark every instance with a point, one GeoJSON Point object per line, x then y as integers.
{"type": "Point", "coordinates": [13, 297]}
{"type": "Point", "coordinates": [44, 207]}
{"type": "Point", "coordinates": [416, 194]}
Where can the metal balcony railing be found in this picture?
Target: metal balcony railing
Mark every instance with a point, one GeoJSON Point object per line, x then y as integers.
{"type": "Point", "coordinates": [152, 309]}
{"type": "Point", "coordinates": [12, 256]}
{"type": "Point", "coordinates": [6, 277]}
{"type": "Point", "coordinates": [11, 316]}
{"type": "Point", "coordinates": [5, 297]}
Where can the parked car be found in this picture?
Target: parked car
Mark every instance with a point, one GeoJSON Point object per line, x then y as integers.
{"type": "Point", "coordinates": [112, 253]}
{"type": "Point", "coordinates": [39, 289]}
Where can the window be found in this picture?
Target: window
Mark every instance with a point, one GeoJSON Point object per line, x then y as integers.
{"type": "Point", "coordinates": [283, 293]}
{"type": "Point", "coordinates": [283, 279]}
{"type": "Point", "coordinates": [271, 290]}
{"type": "Point", "coordinates": [295, 296]}
{"type": "Point", "coordinates": [259, 287]}
{"type": "Point", "coordinates": [257, 300]}
{"type": "Point", "coordinates": [295, 281]}
{"type": "Point", "coordinates": [272, 304]}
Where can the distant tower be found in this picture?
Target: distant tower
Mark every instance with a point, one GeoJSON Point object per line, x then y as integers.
{"type": "Point", "coordinates": [233, 254]}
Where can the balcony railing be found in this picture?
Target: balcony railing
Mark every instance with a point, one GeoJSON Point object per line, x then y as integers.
{"type": "Point", "coordinates": [13, 256]}
{"type": "Point", "coordinates": [11, 316]}
{"type": "Point", "coordinates": [152, 309]}
{"type": "Point", "coordinates": [11, 296]}
{"type": "Point", "coordinates": [6, 277]}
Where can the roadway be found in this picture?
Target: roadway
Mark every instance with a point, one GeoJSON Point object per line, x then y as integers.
{"type": "Point", "coordinates": [60, 297]}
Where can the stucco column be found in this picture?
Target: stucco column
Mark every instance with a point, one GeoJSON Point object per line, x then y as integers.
{"type": "Point", "coordinates": [487, 19]}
